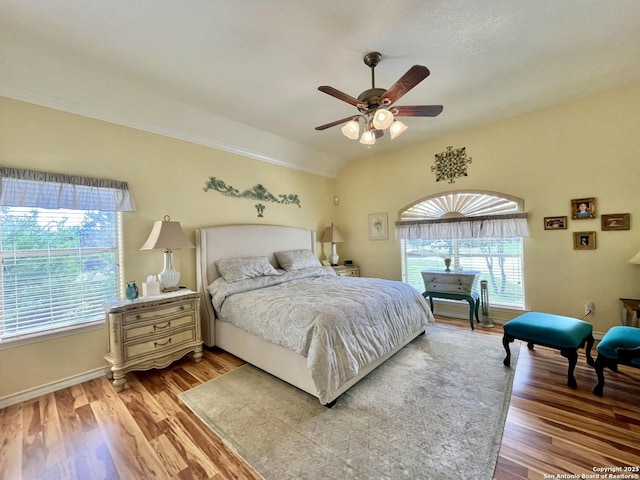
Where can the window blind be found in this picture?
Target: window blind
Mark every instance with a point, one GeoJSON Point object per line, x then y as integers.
{"type": "Point", "coordinates": [60, 249]}
{"type": "Point", "coordinates": [58, 267]}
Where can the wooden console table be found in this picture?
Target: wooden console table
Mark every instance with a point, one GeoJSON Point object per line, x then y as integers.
{"type": "Point", "coordinates": [452, 286]}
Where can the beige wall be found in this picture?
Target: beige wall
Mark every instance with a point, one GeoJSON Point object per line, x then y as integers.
{"type": "Point", "coordinates": [166, 177]}
{"type": "Point", "coordinates": [586, 148]}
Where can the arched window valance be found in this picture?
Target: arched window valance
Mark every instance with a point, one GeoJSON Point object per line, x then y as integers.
{"type": "Point", "coordinates": [470, 214]}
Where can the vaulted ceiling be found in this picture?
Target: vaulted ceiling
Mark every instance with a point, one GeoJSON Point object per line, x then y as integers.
{"type": "Point", "coordinates": [242, 76]}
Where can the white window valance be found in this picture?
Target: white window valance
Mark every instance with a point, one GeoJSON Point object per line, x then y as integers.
{"type": "Point", "coordinates": [30, 188]}
{"type": "Point", "coordinates": [489, 226]}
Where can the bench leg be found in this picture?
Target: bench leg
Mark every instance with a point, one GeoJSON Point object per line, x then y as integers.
{"type": "Point", "coordinates": [571, 354]}
{"type": "Point", "coordinates": [506, 340]}
{"type": "Point", "coordinates": [601, 363]}
{"type": "Point", "coordinates": [587, 350]}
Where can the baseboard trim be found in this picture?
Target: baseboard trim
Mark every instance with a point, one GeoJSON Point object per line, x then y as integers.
{"type": "Point", "coordinates": [35, 392]}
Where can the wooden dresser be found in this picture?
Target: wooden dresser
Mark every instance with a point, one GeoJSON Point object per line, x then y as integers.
{"type": "Point", "coordinates": [151, 332]}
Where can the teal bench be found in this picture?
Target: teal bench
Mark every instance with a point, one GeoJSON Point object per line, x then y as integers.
{"type": "Point", "coordinates": [620, 345]}
{"type": "Point", "coordinates": [554, 331]}
{"type": "Point", "coordinates": [473, 299]}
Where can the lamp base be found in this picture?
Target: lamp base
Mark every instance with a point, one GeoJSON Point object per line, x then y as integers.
{"type": "Point", "coordinates": [333, 258]}
{"type": "Point", "coordinates": [168, 277]}
{"type": "Point", "coordinates": [170, 289]}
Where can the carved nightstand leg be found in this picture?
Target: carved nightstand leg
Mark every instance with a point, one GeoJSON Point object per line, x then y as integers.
{"type": "Point", "coordinates": [119, 382]}
{"type": "Point", "coordinates": [197, 354]}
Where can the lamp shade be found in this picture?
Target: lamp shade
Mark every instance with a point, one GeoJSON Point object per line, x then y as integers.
{"type": "Point", "coordinates": [166, 235]}
{"type": "Point", "coordinates": [382, 118]}
{"type": "Point", "coordinates": [368, 138]}
{"type": "Point", "coordinates": [397, 128]}
{"type": "Point", "coordinates": [332, 234]}
{"type": "Point", "coordinates": [635, 259]}
{"type": "Point", "coordinates": [351, 130]}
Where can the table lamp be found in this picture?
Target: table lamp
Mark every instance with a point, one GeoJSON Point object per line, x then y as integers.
{"type": "Point", "coordinates": [168, 236]}
{"type": "Point", "coordinates": [333, 235]}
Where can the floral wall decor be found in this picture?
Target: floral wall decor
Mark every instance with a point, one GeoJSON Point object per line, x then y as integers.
{"type": "Point", "coordinates": [451, 164]}
{"type": "Point", "coordinates": [258, 192]}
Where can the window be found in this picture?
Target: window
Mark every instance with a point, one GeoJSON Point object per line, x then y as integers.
{"type": "Point", "coordinates": [60, 250]}
{"type": "Point", "coordinates": [479, 231]}
{"type": "Point", "coordinates": [58, 267]}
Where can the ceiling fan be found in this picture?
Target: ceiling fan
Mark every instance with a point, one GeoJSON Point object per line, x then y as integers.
{"type": "Point", "coordinates": [376, 105]}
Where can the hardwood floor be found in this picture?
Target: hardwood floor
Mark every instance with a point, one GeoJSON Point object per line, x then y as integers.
{"type": "Point", "coordinates": [91, 432]}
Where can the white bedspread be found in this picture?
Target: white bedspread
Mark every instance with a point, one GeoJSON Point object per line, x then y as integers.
{"type": "Point", "coordinates": [340, 324]}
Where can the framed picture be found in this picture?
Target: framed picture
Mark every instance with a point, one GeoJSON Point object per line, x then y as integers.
{"type": "Point", "coordinates": [555, 223]}
{"type": "Point", "coordinates": [584, 240]}
{"type": "Point", "coordinates": [378, 226]}
{"type": "Point", "coordinates": [583, 208]}
{"type": "Point", "coordinates": [616, 221]}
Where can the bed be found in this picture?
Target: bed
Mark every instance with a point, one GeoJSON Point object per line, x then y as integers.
{"type": "Point", "coordinates": [315, 360]}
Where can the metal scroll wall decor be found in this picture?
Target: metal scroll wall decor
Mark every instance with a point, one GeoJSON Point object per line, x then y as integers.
{"type": "Point", "coordinates": [258, 192]}
{"type": "Point", "coordinates": [451, 164]}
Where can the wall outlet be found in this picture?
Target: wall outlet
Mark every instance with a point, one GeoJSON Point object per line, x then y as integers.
{"type": "Point", "coordinates": [589, 308]}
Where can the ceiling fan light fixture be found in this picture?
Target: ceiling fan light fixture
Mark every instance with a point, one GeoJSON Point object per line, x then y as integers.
{"type": "Point", "coordinates": [368, 138]}
{"type": "Point", "coordinates": [377, 105]}
{"type": "Point", "coordinates": [397, 128]}
{"type": "Point", "coordinates": [351, 130]}
{"type": "Point", "coordinates": [382, 118]}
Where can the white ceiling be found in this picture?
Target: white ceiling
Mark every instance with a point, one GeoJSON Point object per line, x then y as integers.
{"type": "Point", "coordinates": [243, 75]}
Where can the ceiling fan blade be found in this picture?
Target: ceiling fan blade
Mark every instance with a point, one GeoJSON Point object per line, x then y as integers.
{"type": "Point", "coordinates": [337, 122]}
{"type": "Point", "coordinates": [417, 111]}
{"type": "Point", "coordinates": [341, 96]}
{"type": "Point", "coordinates": [414, 76]}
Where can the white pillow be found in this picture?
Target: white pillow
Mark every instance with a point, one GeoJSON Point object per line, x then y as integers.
{"type": "Point", "coordinates": [236, 269]}
{"type": "Point", "coordinates": [297, 259]}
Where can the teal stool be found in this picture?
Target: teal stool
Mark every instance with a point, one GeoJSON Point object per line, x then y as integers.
{"type": "Point", "coordinates": [554, 331]}
{"type": "Point", "coordinates": [620, 345]}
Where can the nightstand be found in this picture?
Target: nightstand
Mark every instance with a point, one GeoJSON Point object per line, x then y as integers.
{"type": "Point", "coordinates": [151, 332]}
{"type": "Point", "coordinates": [630, 309]}
{"type": "Point", "coordinates": [347, 270]}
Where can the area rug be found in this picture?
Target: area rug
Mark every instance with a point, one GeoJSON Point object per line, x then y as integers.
{"type": "Point", "coordinates": [435, 410]}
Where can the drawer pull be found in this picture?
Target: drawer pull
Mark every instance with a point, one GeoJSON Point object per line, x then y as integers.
{"type": "Point", "coordinates": [156, 344]}
{"type": "Point", "coordinates": [138, 317]}
{"type": "Point", "coordinates": [182, 307]}
{"type": "Point", "coordinates": [158, 327]}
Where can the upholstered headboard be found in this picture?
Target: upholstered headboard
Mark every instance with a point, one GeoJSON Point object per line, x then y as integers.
{"type": "Point", "coordinates": [232, 241]}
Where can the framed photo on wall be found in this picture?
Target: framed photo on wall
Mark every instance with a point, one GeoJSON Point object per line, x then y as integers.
{"type": "Point", "coordinates": [584, 240]}
{"type": "Point", "coordinates": [583, 208]}
{"type": "Point", "coordinates": [378, 226]}
{"type": "Point", "coordinates": [616, 221]}
{"type": "Point", "coordinates": [555, 223]}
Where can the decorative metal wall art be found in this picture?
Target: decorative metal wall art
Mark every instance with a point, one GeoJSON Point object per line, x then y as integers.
{"type": "Point", "coordinates": [451, 164]}
{"type": "Point", "coordinates": [258, 192]}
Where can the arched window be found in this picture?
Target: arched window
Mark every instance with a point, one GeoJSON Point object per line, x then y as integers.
{"type": "Point", "coordinates": [480, 231]}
